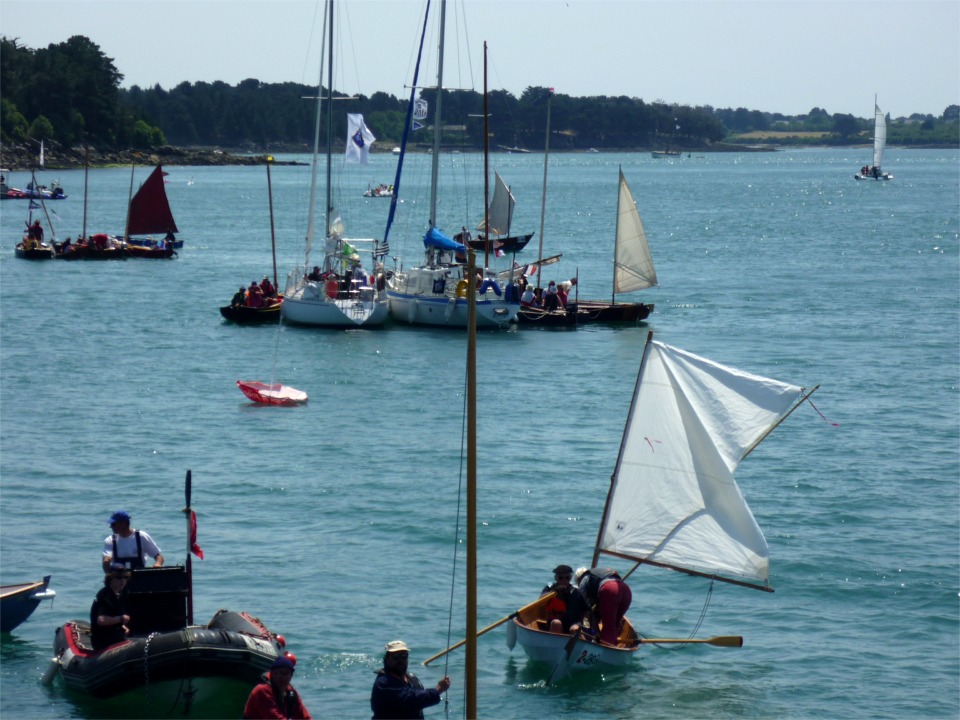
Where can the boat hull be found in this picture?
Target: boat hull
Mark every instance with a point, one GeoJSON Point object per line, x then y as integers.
{"type": "Point", "coordinates": [881, 176]}
{"type": "Point", "coordinates": [509, 244]}
{"type": "Point", "coordinates": [243, 315]}
{"type": "Point", "coordinates": [584, 313]}
{"type": "Point", "coordinates": [42, 253]}
{"type": "Point", "coordinates": [17, 602]}
{"type": "Point", "coordinates": [228, 655]}
{"type": "Point", "coordinates": [312, 305]}
{"type": "Point", "coordinates": [585, 653]}
{"type": "Point", "coordinates": [444, 311]}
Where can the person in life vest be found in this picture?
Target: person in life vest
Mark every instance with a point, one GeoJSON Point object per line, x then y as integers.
{"type": "Point", "coordinates": [128, 548]}
{"type": "Point", "coordinates": [275, 697]}
{"type": "Point", "coordinates": [396, 694]}
{"type": "Point", "coordinates": [565, 610]}
{"type": "Point", "coordinates": [608, 596]}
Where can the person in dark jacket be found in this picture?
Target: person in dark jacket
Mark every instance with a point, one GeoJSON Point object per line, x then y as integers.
{"type": "Point", "coordinates": [397, 695]}
{"type": "Point", "coordinates": [274, 698]}
{"type": "Point", "coordinates": [609, 596]}
{"type": "Point", "coordinates": [109, 621]}
{"type": "Point", "coordinates": [565, 610]}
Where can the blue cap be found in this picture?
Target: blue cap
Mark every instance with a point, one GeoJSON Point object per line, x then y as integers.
{"type": "Point", "coordinates": [118, 516]}
{"type": "Point", "coordinates": [282, 662]}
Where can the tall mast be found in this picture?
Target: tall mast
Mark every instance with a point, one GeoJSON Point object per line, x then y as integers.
{"type": "Point", "coordinates": [329, 211]}
{"type": "Point", "coordinates": [486, 160]}
{"type": "Point", "coordinates": [435, 166]}
{"type": "Point", "coordinates": [543, 201]}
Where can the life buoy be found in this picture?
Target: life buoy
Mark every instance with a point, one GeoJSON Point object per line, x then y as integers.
{"type": "Point", "coordinates": [462, 288]}
{"type": "Point", "coordinates": [332, 288]}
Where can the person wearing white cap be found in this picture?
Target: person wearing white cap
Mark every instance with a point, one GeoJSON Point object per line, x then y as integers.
{"type": "Point", "coordinates": [126, 547]}
{"type": "Point", "coordinates": [398, 695]}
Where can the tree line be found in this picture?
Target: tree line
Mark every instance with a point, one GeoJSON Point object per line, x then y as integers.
{"type": "Point", "coordinates": [70, 93]}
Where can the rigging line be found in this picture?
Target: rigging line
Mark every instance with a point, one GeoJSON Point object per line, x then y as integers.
{"type": "Point", "coordinates": [456, 525]}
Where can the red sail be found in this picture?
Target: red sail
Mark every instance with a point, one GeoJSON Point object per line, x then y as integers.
{"type": "Point", "coordinates": [149, 210]}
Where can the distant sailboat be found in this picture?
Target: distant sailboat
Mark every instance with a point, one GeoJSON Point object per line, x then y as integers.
{"type": "Point", "coordinates": [875, 172]}
{"type": "Point", "coordinates": [149, 214]}
{"type": "Point", "coordinates": [499, 217]}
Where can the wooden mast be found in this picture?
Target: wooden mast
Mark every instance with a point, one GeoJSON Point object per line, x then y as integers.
{"type": "Point", "coordinates": [470, 667]}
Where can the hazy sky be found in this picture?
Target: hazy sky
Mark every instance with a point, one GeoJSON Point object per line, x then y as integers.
{"type": "Point", "coordinates": [773, 55]}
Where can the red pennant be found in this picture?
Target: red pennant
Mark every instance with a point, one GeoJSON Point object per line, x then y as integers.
{"type": "Point", "coordinates": [194, 548]}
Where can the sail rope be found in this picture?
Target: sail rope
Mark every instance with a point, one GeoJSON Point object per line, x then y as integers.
{"type": "Point", "coordinates": [697, 625]}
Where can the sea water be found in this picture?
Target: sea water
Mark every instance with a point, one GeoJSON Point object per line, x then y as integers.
{"type": "Point", "coordinates": [337, 522]}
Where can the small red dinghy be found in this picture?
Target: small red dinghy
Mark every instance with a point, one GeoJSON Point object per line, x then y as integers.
{"type": "Point", "coordinates": [271, 394]}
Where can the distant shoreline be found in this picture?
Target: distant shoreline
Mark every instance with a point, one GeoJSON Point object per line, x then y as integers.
{"type": "Point", "coordinates": [21, 157]}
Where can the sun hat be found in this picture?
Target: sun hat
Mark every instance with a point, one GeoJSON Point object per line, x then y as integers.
{"type": "Point", "coordinates": [396, 646]}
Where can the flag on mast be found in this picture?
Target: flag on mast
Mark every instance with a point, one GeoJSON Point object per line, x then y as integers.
{"type": "Point", "coordinates": [359, 139]}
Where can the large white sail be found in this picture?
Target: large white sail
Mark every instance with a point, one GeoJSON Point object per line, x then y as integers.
{"type": "Point", "coordinates": [673, 499]}
{"type": "Point", "coordinates": [634, 264]}
{"type": "Point", "coordinates": [879, 135]}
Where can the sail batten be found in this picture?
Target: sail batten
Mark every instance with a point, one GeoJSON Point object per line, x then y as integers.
{"type": "Point", "coordinates": [673, 500]}
{"type": "Point", "coordinates": [634, 265]}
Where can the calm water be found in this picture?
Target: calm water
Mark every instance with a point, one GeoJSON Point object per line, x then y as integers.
{"type": "Point", "coordinates": [336, 522]}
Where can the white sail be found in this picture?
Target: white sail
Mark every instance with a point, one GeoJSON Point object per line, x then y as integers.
{"type": "Point", "coordinates": [634, 264]}
{"type": "Point", "coordinates": [879, 135]}
{"type": "Point", "coordinates": [673, 499]}
{"type": "Point", "coordinates": [500, 213]}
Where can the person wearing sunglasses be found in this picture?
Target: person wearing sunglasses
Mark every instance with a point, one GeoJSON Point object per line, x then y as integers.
{"type": "Point", "coordinates": [564, 611]}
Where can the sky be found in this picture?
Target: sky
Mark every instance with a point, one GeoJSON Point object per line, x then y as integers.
{"type": "Point", "coordinates": [785, 56]}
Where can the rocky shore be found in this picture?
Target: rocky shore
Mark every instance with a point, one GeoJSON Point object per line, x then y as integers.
{"type": "Point", "coordinates": [23, 157]}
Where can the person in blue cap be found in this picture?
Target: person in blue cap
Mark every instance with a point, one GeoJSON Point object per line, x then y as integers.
{"type": "Point", "coordinates": [275, 697]}
{"type": "Point", "coordinates": [127, 548]}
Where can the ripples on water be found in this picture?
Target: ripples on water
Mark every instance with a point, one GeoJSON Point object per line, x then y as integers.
{"type": "Point", "coordinates": [336, 521]}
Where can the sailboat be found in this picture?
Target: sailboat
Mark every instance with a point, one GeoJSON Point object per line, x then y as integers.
{"type": "Point", "coordinates": [499, 217]}
{"type": "Point", "coordinates": [32, 246]}
{"type": "Point", "coordinates": [435, 292]}
{"type": "Point", "coordinates": [874, 172]}
{"type": "Point", "coordinates": [343, 294]}
{"type": "Point", "coordinates": [148, 213]}
{"type": "Point", "coordinates": [632, 270]}
{"type": "Point", "coordinates": [673, 502]}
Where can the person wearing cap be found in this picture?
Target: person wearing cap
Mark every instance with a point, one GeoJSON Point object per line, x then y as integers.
{"type": "Point", "coordinates": [398, 695]}
{"type": "Point", "coordinates": [608, 595]}
{"type": "Point", "coordinates": [109, 620]}
{"type": "Point", "coordinates": [275, 697]}
{"type": "Point", "coordinates": [127, 547]}
{"type": "Point", "coordinates": [565, 610]}
{"type": "Point", "coordinates": [239, 298]}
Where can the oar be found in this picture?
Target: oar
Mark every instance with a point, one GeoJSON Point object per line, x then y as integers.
{"type": "Point", "coordinates": [565, 658]}
{"type": "Point", "coordinates": [498, 623]}
{"type": "Point", "coordinates": [721, 641]}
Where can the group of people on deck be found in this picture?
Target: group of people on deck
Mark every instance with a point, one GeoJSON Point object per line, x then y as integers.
{"type": "Point", "coordinates": [592, 601]}
{"type": "Point", "coordinates": [258, 295]}
{"type": "Point", "coordinates": [553, 297]}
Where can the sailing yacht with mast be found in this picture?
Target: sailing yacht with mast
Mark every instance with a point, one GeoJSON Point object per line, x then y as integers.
{"type": "Point", "coordinates": [435, 292]}
{"type": "Point", "coordinates": [343, 295]}
{"type": "Point", "coordinates": [875, 172]}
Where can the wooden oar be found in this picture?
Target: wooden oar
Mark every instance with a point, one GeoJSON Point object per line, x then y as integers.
{"type": "Point", "coordinates": [721, 641]}
{"type": "Point", "coordinates": [542, 599]}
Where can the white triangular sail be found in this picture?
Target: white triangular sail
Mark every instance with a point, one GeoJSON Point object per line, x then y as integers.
{"type": "Point", "coordinates": [673, 500]}
{"type": "Point", "coordinates": [634, 265]}
{"type": "Point", "coordinates": [879, 135]}
{"type": "Point", "coordinates": [500, 213]}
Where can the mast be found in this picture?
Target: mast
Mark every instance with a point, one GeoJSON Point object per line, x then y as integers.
{"type": "Point", "coordinates": [486, 161]}
{"type": "Point", "coordinates": [126, 228]}
{"type": "Point", "coordinates": [86, 175]}
{"type": "Point", "coordinates": [470, 661]}
{"type": "Point", "coordinates": [273, 236]}
{"type": "Point", "coordinates": [329, 211]}
{"type": "Point", "coordinates": [616, 239]}
{"type": "Point", "coordinates": [543, 201]}
{"type": "Point", "coordinates": [435, 165]}
{"type": "Point", "coordinates": [311, 214]}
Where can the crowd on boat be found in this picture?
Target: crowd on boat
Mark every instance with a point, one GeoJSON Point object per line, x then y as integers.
{"type": "Point", "coordinates": [868, 171]}
{"type": "Point", "coordinates": [258, 295]}
{"type": "Point", "coordinates": [551, 298]}
{"type": "Point", "coordinates": [591, 602]}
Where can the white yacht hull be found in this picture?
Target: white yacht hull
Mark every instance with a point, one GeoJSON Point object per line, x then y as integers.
{"type": "Point", "coordinates": [310, 305]}
{"type": "Point", "coordinates": [444, 311]}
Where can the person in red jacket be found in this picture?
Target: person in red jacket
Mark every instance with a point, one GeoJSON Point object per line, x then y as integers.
{"type": "Point", "coordinates": [275, 698]}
